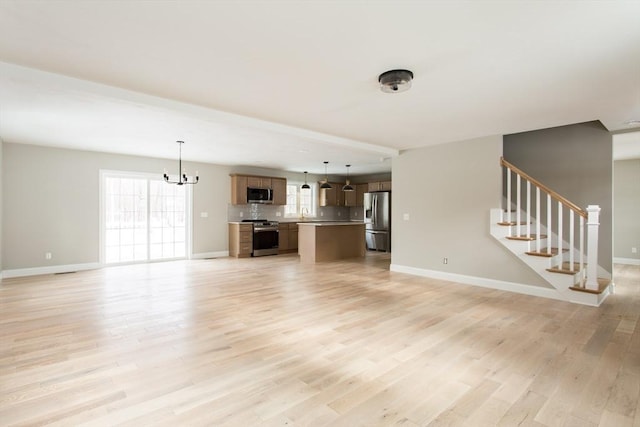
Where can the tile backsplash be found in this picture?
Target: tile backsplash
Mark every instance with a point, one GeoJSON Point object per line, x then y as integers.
{"type": "Point", "coordinates": [276, 213]}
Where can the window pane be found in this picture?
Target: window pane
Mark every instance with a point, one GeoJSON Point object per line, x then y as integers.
{"type": "Point", "coordinates": [143, 219]}
{"type": "Point", "coordinates": [291, 208]}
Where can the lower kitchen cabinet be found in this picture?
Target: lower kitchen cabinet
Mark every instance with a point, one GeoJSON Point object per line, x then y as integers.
{"type": "Point", "coordinates": [293, 237]}
{"type": "Point", "coordinates": [288, 237]}
{"type": "Point", "coordinates": [240, 240]}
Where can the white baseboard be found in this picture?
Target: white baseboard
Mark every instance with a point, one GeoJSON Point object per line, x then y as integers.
{"type": "Point", "coordinates": [53, 269]}
{"type": "Point", "coordinates": [481, 281]}
{"type": "Point", "coordinates": [627, 261]}
{"type": "Point", "coordinates": [205, 255]}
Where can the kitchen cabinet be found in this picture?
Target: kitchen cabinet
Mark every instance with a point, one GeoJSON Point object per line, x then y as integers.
{"type": "Point", "coordinates": [240, 183]}
{"type": "Point", "coordinates": [334, 196]}
{"type": "Point", "coordinates": [380, 186]}
{"type": "Point", "coordinates": [259, 182]}
{"type": "Point", "coordinates": [279, 186]}
{"type": "Point", "coordinates": [288, 237]}
{"type": "Point", "coordinates": [283, 237]}
{"type": "Point", "coordinates": [293, 237]}
{"type": "Point", "coordinates": [360, 190]}
{"type": "Point", "coordinates": [238, 190]}
{"type": "Point", "coordinates": [240, 240]}
{"type": "Point", "coordinates": [350, 197]}
{"type": "Point", "coordinates": [329, 196]}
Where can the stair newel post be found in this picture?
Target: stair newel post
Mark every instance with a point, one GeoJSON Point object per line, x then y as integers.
{"type": "Point", "coordinates": [518, 197]}
{"type": "Point", "coordinates": [593, 223]}
{"type": "Point", "coordinates": [509, 198]}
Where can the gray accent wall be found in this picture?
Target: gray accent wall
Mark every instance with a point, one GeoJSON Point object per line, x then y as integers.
{"type": "Point", "coordinates": [1, 201]}
{"type": "Point", "coordinates": [626, 212]}
{"type": "Point", "coordinates": [51, 203]}
{"type": "Point", "coordinates": [576, 161]}
{"type": "Point", "coordinates": [448, 191]}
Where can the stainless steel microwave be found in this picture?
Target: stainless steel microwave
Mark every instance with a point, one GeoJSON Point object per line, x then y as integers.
{"type": "Point", "coordinates": [259, 195]}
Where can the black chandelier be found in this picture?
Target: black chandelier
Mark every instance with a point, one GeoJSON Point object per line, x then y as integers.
{"type": "Point", "coordinates": [182, 179]}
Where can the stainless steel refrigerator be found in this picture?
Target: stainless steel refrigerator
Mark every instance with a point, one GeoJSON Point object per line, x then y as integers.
{"type": "Point", "coordinates": [377, 220]}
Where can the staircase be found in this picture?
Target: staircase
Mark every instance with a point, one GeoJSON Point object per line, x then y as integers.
{"type": "Point", "coordinates": [561, 247]}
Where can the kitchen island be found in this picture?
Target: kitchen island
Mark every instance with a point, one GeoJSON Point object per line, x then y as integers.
{"type": "Point", "coordinates": [330, 241]}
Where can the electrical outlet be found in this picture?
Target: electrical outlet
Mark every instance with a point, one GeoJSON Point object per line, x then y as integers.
{"type": "Point", "coordinates": [321, 213]}
{"type": "Point", "coordinates": [278, 213]}
{"type": "Point", "coordinates": [634, 250]}
{"type": "Point", "coordinates": [338, 213]}
{"type": "Point", "coordinates": [405, 217]}
{"type": "Point", "coordinates": [47, 255]}
{"type": "Point", "coordinates": [241, 214]}
{"type": "Point", "coordinates": [445, 260]}
{"type": "Point", "coordinates": [204, 214]}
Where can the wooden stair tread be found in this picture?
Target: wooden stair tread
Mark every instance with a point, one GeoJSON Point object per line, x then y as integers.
{"type": "Point", "coordinates": [602, 286]}
{"type": "Point", "coordinates": [527, 237]}
{"type": "Point", "coordinates": [565, 268]}
{"type": "Point", "coordinates": [543, 252]}
{"type": "Point", "coordinates": [513, 223]}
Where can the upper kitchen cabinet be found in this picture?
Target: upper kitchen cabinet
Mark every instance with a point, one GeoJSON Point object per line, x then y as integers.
{"type": "Point", "coordinates": [334, 196]}
{"type": "Point", "coordinates": [279, 186]}
{"type": "Point", "coordinates": [240, 184]}
{"type": "Point", "coordinates": [350, 197]}
{"type": "Point", "coordinates": [238, 190]}
{"type": "Point", "coordinates": [380, 186]}
{"type": "Point", "coordinates": [360, 190]}
{"type": "Point", "coordinates": [329, 196]}
{"type": "Point", "coordinates": [259, 181]}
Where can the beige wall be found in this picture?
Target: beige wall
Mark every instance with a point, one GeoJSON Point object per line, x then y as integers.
{"type": "Point", "coordinates": [51, 203]}
{"type": "Point", "coordinates": [448, 191]}
{"type": "Point", "coordinates": [626, 209]}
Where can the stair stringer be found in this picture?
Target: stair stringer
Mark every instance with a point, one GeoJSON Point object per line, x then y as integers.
{"type": "Point", "coordinates": [560, 282]}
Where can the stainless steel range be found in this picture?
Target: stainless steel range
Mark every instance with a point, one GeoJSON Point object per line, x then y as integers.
{"type": "Point", "coordinates": [265, 237]}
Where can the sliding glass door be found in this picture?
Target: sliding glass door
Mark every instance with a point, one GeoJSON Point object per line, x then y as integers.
{"type": "Point", "coordinates": [143, 218]}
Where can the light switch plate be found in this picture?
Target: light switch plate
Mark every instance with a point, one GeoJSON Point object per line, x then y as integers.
{"type": "Point", "coordinates": [405, 217]}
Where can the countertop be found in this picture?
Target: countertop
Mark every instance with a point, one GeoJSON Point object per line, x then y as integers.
{"type": "Point", "coordinates": [312, 221]}
{"type": "Point", "coordinates": [330, 223]}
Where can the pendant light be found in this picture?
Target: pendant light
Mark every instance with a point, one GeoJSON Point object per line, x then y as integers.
{"type": "Point", "coordinates": [348, 186]}
{"type": "Point", "coordinates": [325, 184]}
{"type": "Point", "coordinates": [182, 176]}
{"type": "Point", "coordinates": [305, 186]}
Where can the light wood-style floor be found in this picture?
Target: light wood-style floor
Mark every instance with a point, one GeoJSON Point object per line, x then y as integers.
{"type": "Point", "coordinates": [269, 341]}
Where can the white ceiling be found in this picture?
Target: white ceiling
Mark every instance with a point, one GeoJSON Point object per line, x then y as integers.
{"type": "Point", "coordinates": [289, 84]}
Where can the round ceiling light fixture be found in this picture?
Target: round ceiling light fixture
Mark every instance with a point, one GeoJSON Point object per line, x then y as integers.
{"type": "Point", "coordinates": [394, 81]}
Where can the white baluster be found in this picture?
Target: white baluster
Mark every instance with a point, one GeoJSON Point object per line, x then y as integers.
{"type": "Point", "coordinates": [560, 233]}
{"type": "Point", "coordinates": [581, 250]}
{"type": "Point", "coordinates": [549, 224]}
{"type": "Point", "coordinates": [538, 219]}
{"type": "Point", "coordinates": [593, 223]}
{"type": "Point", "coordinates": [509, 199]}
{"type": "Point", "coordinates": [528, 218]}
{"type": "Point", "coordinates": [571, 227]}
{"type": "Point", "coordinates": [518, 233]}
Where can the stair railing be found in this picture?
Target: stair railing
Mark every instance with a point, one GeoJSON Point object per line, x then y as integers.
{"type": "Point", "coordinates": [591, 215]}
